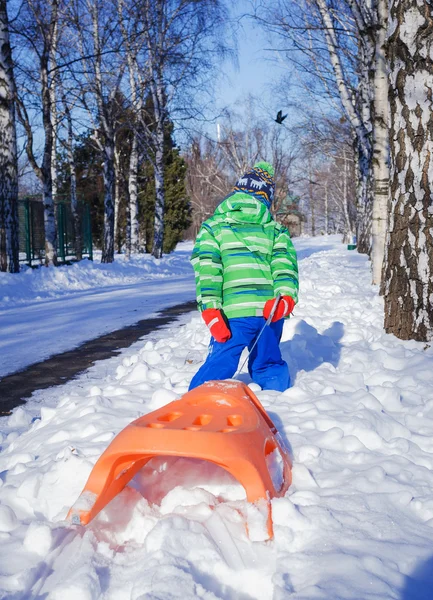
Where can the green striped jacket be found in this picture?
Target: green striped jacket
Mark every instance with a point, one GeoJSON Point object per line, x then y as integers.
{"type": "Point", "coordinates": [242, 258]}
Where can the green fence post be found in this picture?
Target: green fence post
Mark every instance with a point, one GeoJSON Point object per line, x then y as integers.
{"type": "Point", "coordinates": [61, 226]}
{"type": "Point", "coordinates": [27, 232]}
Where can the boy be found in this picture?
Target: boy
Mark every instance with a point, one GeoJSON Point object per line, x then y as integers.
{"type": "Point", "coordinates": [242, 259]}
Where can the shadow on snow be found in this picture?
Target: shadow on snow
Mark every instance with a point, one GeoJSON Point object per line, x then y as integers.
{"type": "Point", "coordinates": [308, 348]}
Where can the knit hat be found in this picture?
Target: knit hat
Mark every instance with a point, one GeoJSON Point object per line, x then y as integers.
{"type": "Point", "coordinates": [258, 182]}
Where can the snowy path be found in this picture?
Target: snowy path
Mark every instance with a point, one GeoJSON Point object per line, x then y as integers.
{"type": "Point", "coordinates": [356, 524]}
{"type": "Point", "coordinates": [79, 303]}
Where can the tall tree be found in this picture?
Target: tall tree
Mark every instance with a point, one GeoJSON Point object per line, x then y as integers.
{"type": "Point", "coordinates": [133, 45]}
{"type": "Point", "coordinates": [92, 25]}
{"type": "Point", "coordinates": [409, 263]}
{"type": "Point", "coordinates": [38, 27]}
{"type": "Point", "coordinates": [9, 242]}
{"type": "Point", "coordinates": [380, 140]}
{"type": "Point", "coordinates": [352, 72]}
{"type": "Point", "coordinates": [182, 41]}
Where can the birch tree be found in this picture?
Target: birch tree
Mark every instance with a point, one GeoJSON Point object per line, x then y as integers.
{"type": "Point", "coordinates": [182, 39]}
{"type": "Point", "coordinates": [133, 45]}
{"type": "Point", "coordinates": [360, 119]}
{"type": "Point", "coordinates": [354, 34]}
{"type": "Point", "coordinates": [68, 144]}
{"type": "Point", "coordinates": [37, 26]}
{"type": "Point", "coordinates": [9, 242]}
{"type": "Point", "coordinates": [409, 263]}
{"type": "Point", "coordinates": [380, 141]}
{"type": "Point", "coordinates": [93, 29]}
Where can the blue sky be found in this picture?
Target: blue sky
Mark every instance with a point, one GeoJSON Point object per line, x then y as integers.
{"type": "Point", "coordinates": [257, 71]}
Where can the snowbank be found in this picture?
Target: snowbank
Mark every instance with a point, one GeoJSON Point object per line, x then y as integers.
{"type": "Point", "coordinates": [44, 312]}
{"type": "Point", "coordinates": [39, 284]}
{"type": "Point", "coordinates": [355, 524]}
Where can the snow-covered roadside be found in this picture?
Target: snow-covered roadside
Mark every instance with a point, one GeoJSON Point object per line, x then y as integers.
{"type": "Point", "coordinates": [47, 311]}
{"type": "Point", "coordinates": [356, 523]}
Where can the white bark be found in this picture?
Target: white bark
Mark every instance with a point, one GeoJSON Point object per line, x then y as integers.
{"type": "Point", "coordinates": [47, 181]}
{"type": "Point", "coordinates": [408, 288]}
{"type": "Point", "coordinates": [348, 228]}
{"type": "Point", "coordinates": [133, 195]}
{"type": "Point", "coordinates": [45, 27]}
{"type": "Point", "coordinates": [9, 257]}
{"type": "Point", "coordinates": [158, 236]}
{"type": "Point", "coordinates": [326, 209]}
{"type": "Point", "coordinates": [78, 242]}
{"type": "Point", "coordinates": [155, 51]}
{"type": "Point", "coordinates": [137, 104]}
{"type": "Point", "coordinates": [107, 144]}
{"type": "Point", "coordinates": [54, 113]}
{"type": "Point", "coordinates": [380, 145]}
{"type": "Point", "coordinates": [360, 123]}
{"type": "Point", "coordinates": [117, 200]}
{"type": "Point", "coordinates": [332, 45]}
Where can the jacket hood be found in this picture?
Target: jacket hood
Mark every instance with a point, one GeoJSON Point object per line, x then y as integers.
{"type": "Point", "coordinates": [240, 207]}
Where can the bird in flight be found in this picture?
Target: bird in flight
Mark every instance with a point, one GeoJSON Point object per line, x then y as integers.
{"type": "Point", "coordinates": [280, 117]}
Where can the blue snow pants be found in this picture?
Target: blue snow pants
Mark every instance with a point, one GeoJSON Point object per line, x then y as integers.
{"type": "Point", "coordinates": [265, 365]}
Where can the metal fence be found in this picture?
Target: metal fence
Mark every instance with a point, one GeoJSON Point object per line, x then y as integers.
{"type": "Point", "coordinates": [32, 232]}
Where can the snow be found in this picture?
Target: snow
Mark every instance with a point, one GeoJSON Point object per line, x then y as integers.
{"type": "Point", "coordinates": [356, 523]}
{"type": "Point", "coordinates": [47, 311]}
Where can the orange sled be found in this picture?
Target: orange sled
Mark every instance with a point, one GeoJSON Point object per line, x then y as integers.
{"type": "Point", "coordinates": [220, 421]}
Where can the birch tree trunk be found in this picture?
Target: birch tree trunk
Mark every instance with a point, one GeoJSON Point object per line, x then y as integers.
{"type": "Point", "coordinates": [117, 201]}
{"type": "Point", "coordinates": [158, 235]}
{"type": "Point", "coordinates": [46, 22]}
{"type": "Point", "coordinates": [9, 255]}
{"type": "Point", "coordinates": [54, 115]}
{"type": "Point", "coordinates": [78, 242]}
{"type": "Point", "coordinates": [326, 209]}
{"type": "Point", "coordinates": [348, 235]}
{"type": "Point", "coordinates": [133, 194]}
{"type": "Point", "coordinates": [359, 118]}
{"type": "Point", "coordinates": [380, 145]}
{"type": "Point", "coordinates": [106, 139]}
{"type": "Point", "coordinates": [46, 173]}
{"type": "Point", "coordinates": [133, 242]}
{"type": "Point", "coordinates": [109, 180]}
{"type": "Point", "coordinates": [409, 266]}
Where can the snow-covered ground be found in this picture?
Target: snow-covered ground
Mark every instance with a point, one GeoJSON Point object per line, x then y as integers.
{"type": "Point", "coordinates": [47, 311]}
{"type": "Point", "coordinates": [357, 522]}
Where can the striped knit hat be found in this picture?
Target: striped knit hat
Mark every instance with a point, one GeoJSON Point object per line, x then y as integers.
{"type": "Point", "coordinates": [259, 182]}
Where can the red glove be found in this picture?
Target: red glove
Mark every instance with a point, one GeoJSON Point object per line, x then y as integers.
{"type": "Point", "coordinates": [217, 324]}
{"type": "Point", "coordinates": [285, 306]}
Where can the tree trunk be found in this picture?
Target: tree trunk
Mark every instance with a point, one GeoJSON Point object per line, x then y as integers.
{"type": "Point", "coordinates": [158, 235]}
{"type": "Point", "coordinates": [348, 234]}
{"type": "Point", "coordinates": [360, 124]}
{"type": "Point", "coordinates": [54, 115]}
{"type": "Point", "coordinates": [109, 179]}
{"type": "Point", "coordinates": [133, 228]}
{"type": "Point", "coordinates": [380, 146]}
{"type": "Point", "coordinates": [117, 203]}
{"type": "Point", "coordinates": [78, 242]}
{"type": "Point", "coordinates": [311, 198]}
{"type": "Point", "coordinates": [47, 181]}
{"type": "Point", "coordinates": [133, 194]}
{"type": "Point", "coordinates": [364, 207]}
{"type": "Point", "coordinates": [326, 209]}
{"type": "Point", "coordinates": [106, 140]}
{"type": "Point", "coordinates": [9, 255]}
{"type": "Point", "coordinates": [408, 287]}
